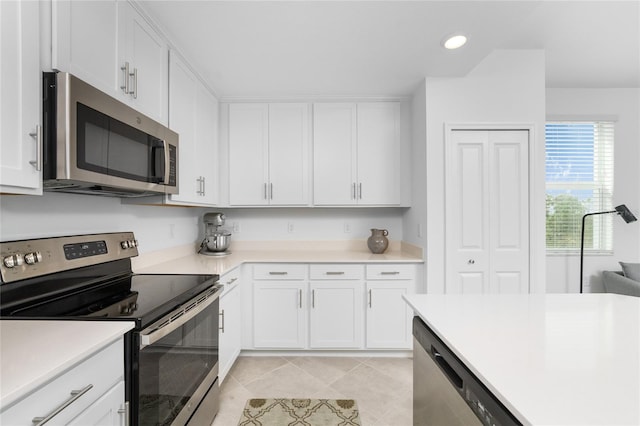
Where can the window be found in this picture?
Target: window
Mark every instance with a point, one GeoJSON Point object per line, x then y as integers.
{"type": "Point", "coordinates": [579, 176]}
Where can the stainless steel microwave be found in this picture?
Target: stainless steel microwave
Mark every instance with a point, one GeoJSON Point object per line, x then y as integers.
{"type": "Point", "coordinates": [94, 144]}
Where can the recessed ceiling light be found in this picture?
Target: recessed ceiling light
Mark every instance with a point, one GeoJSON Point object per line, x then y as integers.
{"type": "Point", "coordinates": [455, 41]}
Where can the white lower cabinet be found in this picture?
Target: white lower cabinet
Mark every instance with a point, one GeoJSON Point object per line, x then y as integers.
{"type": "Point", "coordinates": [108, 410]}
{"type": "Point", "coordinates": [331, 306]}
{"type": "Point", "coordinates": [279, 314]}
{"type": "Point", "coordinates": [230, 323]}
{"type": "Point", "coordinates": [90, 393]}
{"type": "Point", "coordinates": [336, 315]}
{"type": "Point", "coordinates": [388, 315]}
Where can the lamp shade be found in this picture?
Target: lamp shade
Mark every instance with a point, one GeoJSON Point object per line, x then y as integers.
{"type": "Point", "coordinates": [625, 213]}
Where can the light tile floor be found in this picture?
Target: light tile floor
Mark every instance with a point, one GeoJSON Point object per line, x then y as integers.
{"type": "Point", "coordinates": [382, 387]}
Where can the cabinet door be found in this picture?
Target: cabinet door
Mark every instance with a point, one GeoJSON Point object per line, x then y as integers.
{"type": "Point", "coordinates": [206, 140]}
{"type": "Point", "coordinates": [248, 154]}
{"type": "Point", "coordinates": [146, 52]}
{"type": "Point", "coordinates": [335, 317]}
{"type": "Point", "coordinates": [279, 314]}
{"type": "Point", "coordinates": [334, 154]}
{"type": "Point", "coordinates": [182, 88]}
{"type": "Point", "coordinates": [20, 98]}
{"type": "Point", "coordinates": [85, 42]}
{"type": "Point", "coordinates": [379, 153]}
{"type": "Point", "coordinates": [388, 315]}
{"type": "Point", "coordinates": [230, 330]}
{"type": "Point", "coordinates": [108, 410]}
{"type": "Point", "coordinates": [288, 154]}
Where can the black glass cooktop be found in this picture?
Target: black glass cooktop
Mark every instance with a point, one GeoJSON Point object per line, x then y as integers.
{"type": "Point", "coordinates": [101, 292]}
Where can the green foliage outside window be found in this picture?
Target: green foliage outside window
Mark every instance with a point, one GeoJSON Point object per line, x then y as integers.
{"type": "Point", "coordinates": [564, 220]}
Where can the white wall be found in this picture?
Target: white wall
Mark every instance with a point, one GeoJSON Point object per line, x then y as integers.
{"type": "Point", "coordinates": [54, 214]}
{"type": "Point", "coordinates": [157, 228]}
{"type": "Point", "coordinates": [312, 223]}
{"type": "Point", "coordinates": [507, 87]}
{"type": "Point", "coordinates": [622, 105]}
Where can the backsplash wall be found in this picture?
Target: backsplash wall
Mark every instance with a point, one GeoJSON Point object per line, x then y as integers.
{"type": "Point", "coordinates": [311, 223]}
{"type": "Point", "coordinates": [55, 214]}
{"type": "Point", "coordinates": [158, 228]}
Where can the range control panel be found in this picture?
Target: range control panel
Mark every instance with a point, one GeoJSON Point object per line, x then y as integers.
{"type": "Point", "coordinates": [32, 258]}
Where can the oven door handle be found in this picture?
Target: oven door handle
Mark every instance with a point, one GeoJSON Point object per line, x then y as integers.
{"type": "Point", "coordinates": [179, 317]}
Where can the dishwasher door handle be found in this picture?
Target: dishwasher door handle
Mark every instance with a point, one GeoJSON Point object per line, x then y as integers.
{"type": "Point", "coordinates": [446, 368]}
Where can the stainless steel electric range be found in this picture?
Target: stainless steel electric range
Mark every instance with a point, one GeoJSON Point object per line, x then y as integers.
{"type": "Point", "coordinates": [171, 356]}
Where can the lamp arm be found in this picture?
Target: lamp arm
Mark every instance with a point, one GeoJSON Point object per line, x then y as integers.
{"type": "Point", "coordinates": [582, 240]}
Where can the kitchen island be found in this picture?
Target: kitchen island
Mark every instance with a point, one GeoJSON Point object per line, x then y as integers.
{"type": "Point", "coordinates": [562, 359]}
{"type": "Point", "coordinates": [36, 352]}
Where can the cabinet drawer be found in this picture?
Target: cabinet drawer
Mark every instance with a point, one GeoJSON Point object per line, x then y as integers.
{"type": "Point", "coordinates": [96, 374]}
{"type": "Point", "coordinates": [231, 278]}
{"type": "Point", "coordinates": [280, 271]}
{"type": "Point", "coordinates": [336, 272]}
{"type": "Point", "coordinates": [390, 272]}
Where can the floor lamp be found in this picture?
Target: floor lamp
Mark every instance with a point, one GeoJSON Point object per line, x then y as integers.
{"type": "Point", "coordinates": [622, 210]}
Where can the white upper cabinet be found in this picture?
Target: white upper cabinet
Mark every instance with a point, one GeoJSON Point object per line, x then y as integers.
{"type": "Point", "coordinates": [85, 42]}
{"type": "Point", "coordinates": [111, 46]}
{"type": "Point", "coordinates": [20, 98]}
{"type": "Point", "coordinates": [356, 152]}
{"type": "Point", "coordinates": [193, 114]}
{"type": "Point", "coordinates": [268, 154]}
{"type": "Point", "coordinates": [143, 53]}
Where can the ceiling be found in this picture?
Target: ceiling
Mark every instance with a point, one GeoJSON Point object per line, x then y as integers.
{"type": "Point", "coordinates": [279, 49]}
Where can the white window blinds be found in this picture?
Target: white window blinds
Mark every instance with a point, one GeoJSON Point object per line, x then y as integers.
{"type": "Point", "coordinates": [579, 179]}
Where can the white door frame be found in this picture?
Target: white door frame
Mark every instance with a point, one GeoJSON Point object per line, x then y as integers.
{"type": "Point", "coordinates": [536, 235]}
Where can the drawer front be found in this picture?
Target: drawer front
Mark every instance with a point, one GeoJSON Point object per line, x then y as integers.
{"type": "Point", "coordinates": [336, 271]}
{"type": "Point", "coordinates": [280, 271]}
{"type": "Point", "coordinates": [93, 377]}
{"type": "Point", "coordinates": [230, 279]}
{"type": "Point", "coordinates": [390, 272]}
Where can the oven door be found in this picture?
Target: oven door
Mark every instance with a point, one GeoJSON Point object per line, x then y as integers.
{"type": "Point", "coordinates": [178, 363]}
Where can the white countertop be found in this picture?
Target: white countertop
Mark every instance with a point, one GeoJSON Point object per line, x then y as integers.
{"type": "Point", "coordinates": [185, 260]}
{"type": "Point", "coordinates": [563, 359]}
{"type": "Point", "coordinates": [32, 352]}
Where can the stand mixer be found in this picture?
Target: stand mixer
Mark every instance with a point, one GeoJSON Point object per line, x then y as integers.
{"type": "Point", "coordinates": [216, 240]}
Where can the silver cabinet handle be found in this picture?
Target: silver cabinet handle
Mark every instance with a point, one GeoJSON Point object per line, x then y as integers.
{"type": "Point", "coordinates": [37, 135]}
{"type": "Point", "coordinates": [125, 411]}
{"type": "Point", "coordinates": [221, 320]}
{"type": "Point", "coordinates": [313, 298]}
{"type": "Point", "coordinates": [300, 298]}
{"type": "Point", "coordinates": [125, 70]}
{"type": "Point", "coordinates": [134, 92]}
{"type": "Point", "coordinates": [334, 272]}
{"type": "Point", "coordinates": [232, 280]}
{"type": "Point", "coordinates": [369, 298]}
{"type": "Point", "coordinates": [75, 395]}
{"type": "Point", "coordinates": [389, 273]}
{"type": "Point", "coordinates": [353, 191]}
{"type": "Point", "coordinates": [277, 273]}
{"type": "Point", "coordinates": [271, 191]}
{"type": "Point", "coordinates": [360, 190]}
{"type": "Point", "coordinates": [471, 261]}
{"type": "Point", "coordinates": [204, 189]}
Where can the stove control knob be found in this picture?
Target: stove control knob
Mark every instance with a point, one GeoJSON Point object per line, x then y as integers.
{"type": "Point", "coordinates": [33, 258]}
{"type": "Point", "coordinates": [134, 242]}
{"type": "Point", "coordinates": [13, 260]}
{"type": "Point", "coordinates": [124, 244]}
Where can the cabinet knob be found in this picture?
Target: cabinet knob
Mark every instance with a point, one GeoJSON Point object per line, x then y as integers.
{"type": "Point", "coordinates": [471, 261]}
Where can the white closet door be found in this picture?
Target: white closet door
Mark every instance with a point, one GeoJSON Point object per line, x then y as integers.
{"type": "Point", "coordinates": [487, 223]}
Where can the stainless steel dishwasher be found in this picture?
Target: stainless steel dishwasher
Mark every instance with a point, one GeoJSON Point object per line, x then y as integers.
{"type": "Point", "coordinates": [445, 392]}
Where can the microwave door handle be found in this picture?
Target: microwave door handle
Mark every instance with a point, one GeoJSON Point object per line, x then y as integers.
{"type": "Point", "coordinates": [167, 164]}
{"type": "Point", "coordinates": [161, 164]}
